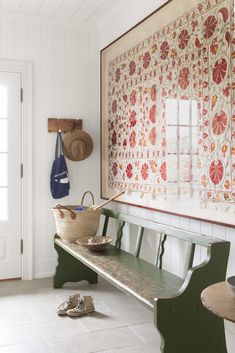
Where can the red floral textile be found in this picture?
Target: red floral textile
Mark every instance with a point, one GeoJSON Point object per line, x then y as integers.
{"type": "Point", "coordinates": [146, 59]}
{"type": "Point", "coordinates": [183, 39]}
{"type": "Point", "coordinates": [216, 172]}
{"type": "Point", "coordinates": [191, 58]}
{"type": "Point", "coordinates": [164, 50]}
{"type": "Point", "coordinates": [133, 118]}
{"type": "Point", "coordinates": [210, 25]}
{"type": "Point", "coordinates": [129, 171]}
{"type": "Point", "coordinates": [220, 70]}
{"type": "Point", "coordinates": [219, 123]}
{"type": "Point", "coordinates": [144, 171]}
{"type": "Point", "coordinates": [163, 171]}
{"type": "Point", "coordinates": [183, 79]}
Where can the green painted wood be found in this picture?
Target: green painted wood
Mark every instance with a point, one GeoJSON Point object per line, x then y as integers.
{"type": "Point", "coordinates": [128, 273]}
{"type": "Point", "coordinates": [162, 250]}
{"type": "Point", "coordinates": [139, 241]}
{"type": "Point", "coordinates": [185, 325]}
{"type": "Point", "coordinates": [188, 236]}
{"type": "Point", "coordinates": [189, 257]}
{"type": "Point", "coordinates": [105, 227]}
{"type": "Point", "coordinates": [110, 213]}
{"type": "Point", "coordinates": [119, 235]}
{"type": "Point", "coordinates": [70, 269]}
{"type": "Point", "coordinates": [159, 249]}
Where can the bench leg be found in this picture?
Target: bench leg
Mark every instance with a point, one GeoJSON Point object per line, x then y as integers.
{"type": "Point", "coordinates": [70, 269]}
{"type": "Point", "coordinates": [185, 328]}
{"type": "Point", "coordinates": [185, 325]}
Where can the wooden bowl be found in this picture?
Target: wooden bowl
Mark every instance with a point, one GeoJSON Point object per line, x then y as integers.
{"type": "Point", "coordinates": [231, 283]}
{"type": "Point", "coordinates": [96, 244]}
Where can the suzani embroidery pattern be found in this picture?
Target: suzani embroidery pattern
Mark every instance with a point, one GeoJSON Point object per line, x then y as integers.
{"type": "Point", "coordinates": [190, 60]}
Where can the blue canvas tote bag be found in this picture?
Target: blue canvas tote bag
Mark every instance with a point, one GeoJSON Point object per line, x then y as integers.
{"type": "Point", "coordinates": [59, 172]}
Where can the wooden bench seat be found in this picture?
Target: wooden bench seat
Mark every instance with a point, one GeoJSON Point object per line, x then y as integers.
{"type": "Point", "coordinates": [184, 324]}
{"type": "Point", "coordinates": [127, 272]}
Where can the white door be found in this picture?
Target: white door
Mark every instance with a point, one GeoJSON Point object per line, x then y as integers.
{"type": "Point", "coordinates": [10, 175]}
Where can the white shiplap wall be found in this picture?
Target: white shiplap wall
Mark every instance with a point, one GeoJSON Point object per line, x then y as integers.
{"type": "Point", "coordinates": [66, 82]}
{"type": "Point", "coordinates": [63, 65]}
{"type": "Point", "coordinates": [127, 16]}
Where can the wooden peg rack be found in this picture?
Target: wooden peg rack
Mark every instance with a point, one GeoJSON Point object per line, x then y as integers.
{"type": "Point", "coordinates": [63, 125]}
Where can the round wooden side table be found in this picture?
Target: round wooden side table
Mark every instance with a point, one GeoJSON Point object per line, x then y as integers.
{"type": "Point", "coordinates": [219, 299]}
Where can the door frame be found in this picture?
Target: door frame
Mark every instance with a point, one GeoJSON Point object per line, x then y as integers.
{"type": "Point", "coordinates": [26, 70]}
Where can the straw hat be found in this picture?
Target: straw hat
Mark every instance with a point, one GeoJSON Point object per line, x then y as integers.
{"type": "Point", "coordinates": [78, 145]}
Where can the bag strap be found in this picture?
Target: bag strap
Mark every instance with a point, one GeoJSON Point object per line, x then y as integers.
{"type": "Point", "coordinates": [59, 146]}
{"type": "Point", "coordinates": [59, 207]}
{"type": "Point", "coordinates": [83, 197]}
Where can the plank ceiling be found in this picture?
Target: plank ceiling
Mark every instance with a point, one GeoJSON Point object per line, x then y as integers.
{"type": "Point", "coordinates": [86, 11]}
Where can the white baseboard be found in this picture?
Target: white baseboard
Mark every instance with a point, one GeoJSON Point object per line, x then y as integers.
{"type": "Point", "coordinates": [43, 275]}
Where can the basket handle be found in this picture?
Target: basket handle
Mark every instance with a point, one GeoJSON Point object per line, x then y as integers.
{"type": "Point", "coordinates": [92, 196]}
{"type": "Point", "coordinates": [59, 207]}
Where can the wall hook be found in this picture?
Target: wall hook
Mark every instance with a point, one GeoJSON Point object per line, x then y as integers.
{"type": "Point", "coordinates": [64, 125]}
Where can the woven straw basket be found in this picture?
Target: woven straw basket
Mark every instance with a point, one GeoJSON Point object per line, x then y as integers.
{"type": "Point", "coordinates": [72, 225]}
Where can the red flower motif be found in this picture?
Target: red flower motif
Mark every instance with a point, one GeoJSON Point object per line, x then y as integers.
{"type": "Point", "coordinates": [146, 59]}
{"type": "Point", "coordinates": [124, 143]}
{"type": "Point", "coordinates": [210, 24]}
{"type": "Point", "coordinates": [132, 139]}
{"type": "Point", "coordinates": [228, 37]}
{"type": "Point", "coordinates": [220, 70]}
{"type": "Point", "coordinates": [183, 79]}
{"type": "Point", "coordinates": [114, 168]}
{"type": "Point", "coordinates": [124, 97]}
{"type": "Point", "coordinates": [226, 90]}
{"type": "Point", "coordinates": [164, 50]}
{"type": "Point", "coordinates": [152, 114]}
{"type": "Point", "coordinates": [219, 123]}
{"type": "Point", "coordinates": [144, 171]}
{"type": "Point", "coordinates": [117, 74]}
{"type": "Point", "coordinates": [133, 97]}
{"type": "Point", "coordinates": [114, 138]}
{"type": "Point", "coordinates": [129, 170]}
{"type": "Point", "coordinates": [194, 24]}
{"type": "Point", "coordinates": [132, 67]}
{"type": "Point", "coordinates": [153, 92]}
{"type": "Point", "coordinates": [214, 47]}
{"type": "Point", "coordinates": [114, 106]}
{"type": "Point", "coordinates": [133, 118]}
{"type": "Point", "coordinates": [152, 136]}
{"type": "Point", "coordinates": [198, 44]}
{"type": "Point", "coordinates": [183, 39]}
{"type": "Point", "coordinates": [163, 171]}
{"type": "Point", "coordinates": [216, 172]}
{"type": "Point", "coordinates": [224, 13]}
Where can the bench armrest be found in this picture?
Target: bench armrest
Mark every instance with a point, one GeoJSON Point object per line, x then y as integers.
{"type": "Point", "coordinates": [185, 313]}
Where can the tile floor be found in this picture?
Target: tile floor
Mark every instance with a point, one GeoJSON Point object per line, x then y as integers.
{"type": "Point", "coordinates": [29, 323]}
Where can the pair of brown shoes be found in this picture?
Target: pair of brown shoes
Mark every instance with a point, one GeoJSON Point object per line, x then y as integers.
{"type": "Point", "coordinates": [76, 306]}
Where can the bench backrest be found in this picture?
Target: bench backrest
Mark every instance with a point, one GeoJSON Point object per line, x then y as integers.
{"type": "Point", "coordinates": [163, 231]}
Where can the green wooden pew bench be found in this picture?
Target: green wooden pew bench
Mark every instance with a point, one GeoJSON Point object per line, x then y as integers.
{"type": "Point", "coordinates": [184, 324]}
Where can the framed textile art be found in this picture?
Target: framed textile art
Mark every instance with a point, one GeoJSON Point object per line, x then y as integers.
{"type": "Point", "coordinates": [167, 112]}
